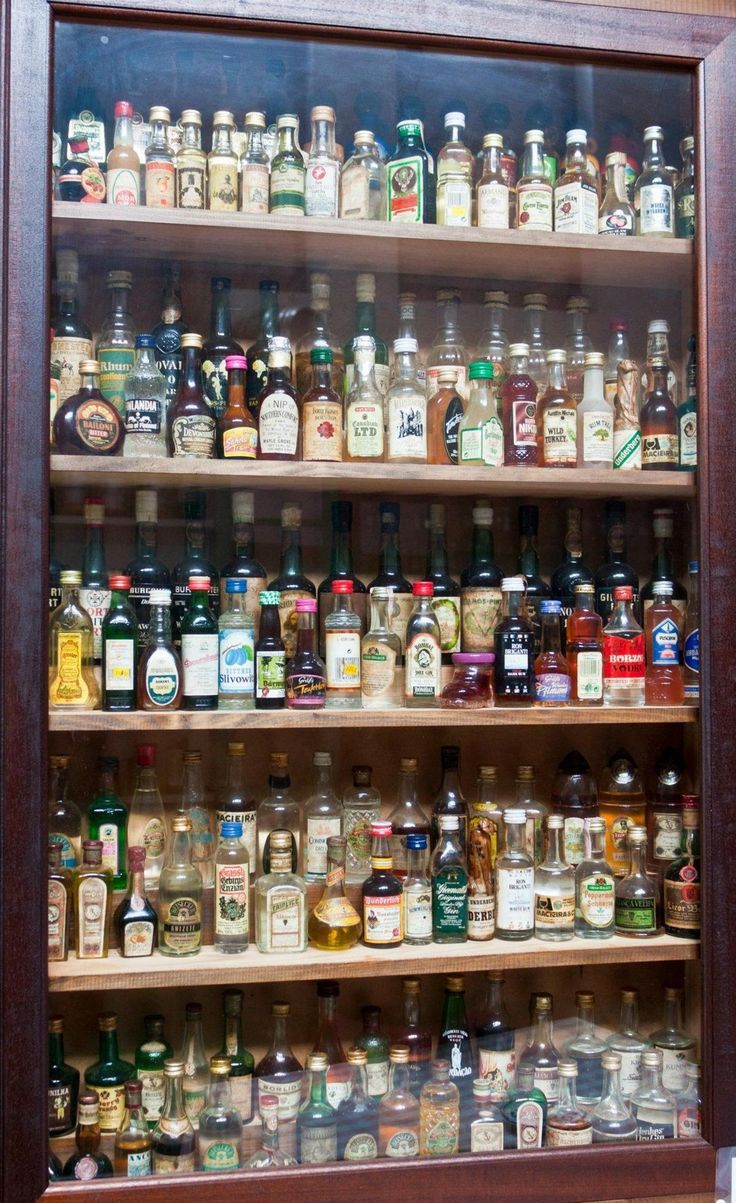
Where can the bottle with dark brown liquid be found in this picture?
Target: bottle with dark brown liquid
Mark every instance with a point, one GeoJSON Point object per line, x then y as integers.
{"type": "Point", "coordinates": [88, 424]}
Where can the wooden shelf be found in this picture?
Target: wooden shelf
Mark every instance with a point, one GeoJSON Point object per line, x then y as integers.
{"type": "Point", "coordinates": [290, 720]}
{"type": "Point", "coordinates": [239, 239]}
{"type": "Point", "coordinates": [99, 472]}
{"type": "Point", "coordinates": [213, 968]}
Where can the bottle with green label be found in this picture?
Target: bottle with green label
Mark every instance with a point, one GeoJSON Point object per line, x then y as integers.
{"type": "Point", "coordinates": [119, 649]}
{"type": "Point", "coordinates": [150, 1055]}
{"type": "Point", "coordinates": [411, 177]}
{"type": "Point", "coordinates": [439, 1113]}
{"type": "Point", "coordinates": [480, 433]}
{"type": "Point", "coordinates": [449, 885]}
{"type": "Point", "coordinates": [107, 820]}
{"type": "Point", "coordinates": [220, 1142]}
{"type": "Point", "coordinates": [636, 894]}
{"type": "Point", "coordinates": [288, 170]}
{"type": "Point", "coordinates": [116, 344]}
{"type": "Point", "coordinates": [147, 821]}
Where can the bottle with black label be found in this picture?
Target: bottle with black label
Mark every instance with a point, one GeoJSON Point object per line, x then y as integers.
{"type": "Point", "coordinates": [514, 645]}
{"type": "Point", "coordinates": [219, 345]}
{"type": "Point", "coordinates": [63, 1082]}
{"type": "Point", "coordinates": [167, 334]}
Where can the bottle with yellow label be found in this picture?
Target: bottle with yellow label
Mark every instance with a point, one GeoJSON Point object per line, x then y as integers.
{"type": "Point", "coordinates": [334, 924]}
{"type": "Point", "coordinates": [109, 1074]}
{"type": "Point", "coordinates": [72, 682]}
{"type": "Point", "coordinates": [180, 896]}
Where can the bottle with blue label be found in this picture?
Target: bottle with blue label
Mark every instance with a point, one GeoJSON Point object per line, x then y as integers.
{"type": "Point", "coordinates": [664, 679]}
{"type": "Point", "coordinates": [236, 639]}
{"type": "Point", "coordinates": [692, 639]}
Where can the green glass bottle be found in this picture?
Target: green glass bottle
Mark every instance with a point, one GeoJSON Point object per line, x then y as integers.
{"type": "Point", "coordinates": [107, 819]}
{"type": "Point", "coordinates": [150, 1055]}
{"type": "Point", "coordinates": [376, 1044]}
{"type": "Point", "coordinates": [257, 377]}
{"type": "Point", "coordinates": [242, 1064]}
{"type": "Point", "coordinates": [365, 324]}
{"type": "Point", "coordinates": [449, 885]}
{"type": "Point", "coordinates": [109, 1074]}
{"type": "Point", "coordinates": [524, 1112]}
{"type": "Point", "coordinates": [454, 1046]}
{"type": "Point", "coordinates": [194, 563]}
{"type": "Point", "coordinates": [63, 1082]}
{"type": "Point", "coordinates": [200, 649]}
{"type": "Point", "coordinates": [341, 569]}
{"type": "Point", "coordinates": [411, 176]}
{"type": "Point", "coordinates": [119, 649]}
{"type": "Point", "coordinates": [316, 1124]}
{"type": "Point", "coordinates": [94, 596]}
{"type": "Point", "coordinates": [291, 582]}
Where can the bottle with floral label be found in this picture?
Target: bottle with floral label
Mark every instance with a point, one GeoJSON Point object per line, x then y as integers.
{"type": "Point", "coordinates": [439, 1113]}
{"type": "Point", "coordinates": [322, 412]}
{"type": "Point", "coordinates": [160, 171]}
{"type": "Point", "coordinates": [380, 656]}
{"type": "Point", "coordinates": [322, 179]}
{"type": "Point", "coordinates": [149, 1064]}
{"type": "Point", "coordinates": [231, 890]}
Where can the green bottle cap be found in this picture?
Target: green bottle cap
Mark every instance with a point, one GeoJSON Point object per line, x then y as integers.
{"type": "Point", "coordinates": [480, 369]}
{"type": "Point", "coordinates": [269, 597]}
{"type": "Point", "coordinates": [320, 355]}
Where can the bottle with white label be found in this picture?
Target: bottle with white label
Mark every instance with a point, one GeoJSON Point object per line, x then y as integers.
{"type": "Point", "coordinates": [677, 1045]}
{"type": "Point", "coordinates": [480, 434]}
{"type": "Point", "coordinates": [406, 405]}
{"type": "Point", "coordinates": [287, 169]}
{"type": "Point", "coordinates": [281, 900]}
{"type": "Point", "coordinates": [653, 1106]}
{"type": "Point", "coordinates": [147, 821]}
{"type": "Point", "coordinates": [534, 205]}
{"type": "Point", "coordinates": [135, 918]}
{"type": "Point", "coordinates": [119, 649]}
{"type": "Point", "coordinates": [492, 192]}
{"type": "Point", "coordinates": [423, 663]}
{"type": "Point", "coordinates": [654, 198]}
{"type": "Point", "coordinates": [237, 803]}
{"type": "Point", "coordinates": [567, 1124]}
{"type": "Point", "coordinates": [255, 166]}
{"type": "Point", "coordinates": [279, 1073]}
{"type": "Point", "coordinates": [278, 411]}
{"type": "Point", "coordinates": [241, 1058]}
{"type": "Point", "coordinates": [455, 176]}
{"type": "Point", "coordinates": [628, 1042]}
{"type": "Point", "coordinates": [322, 180]}
{"type": "Point", "coordinates": [541, 1053]}
{"type": "Point", "coordinates": [223, 165]}
{"type": "Point", "coordinates": [448, 346]}
{"type": "Point", "coordinates": [557, 416]}
{"type": "Point", "coordinates": [594, 418]}
{"type": "Point", "coordinates": [515, 882]}
{"type": "Point", "coordinates": [417, 896]}
{"type": "Point", "coordinates": [200, 649]}
{"type": "Point", "coordinates": [495, 1041]}
{"type": "Point", "coordinates": [363, 181]}
{"type": "Point", "coordinates": [342, 647]}
{"type": "Point", "coordinates": [146, 408]}
{"type": "Point", "coordinates": [595, 886]}
{"type": "Point", "coordinates": [575, 192]}
{"type": "Point", "coordinates": [236, 642]}
{"type": "Point", "coordinates": [232, 919]}
{"type": "Point", "coordinates": [322, 818]}
{"type": "Point", "coordinates": [554, 889]}
{"type": "Point", "coordinates": [174, 1142]}
{"type": "Point", "coordinates": [364, 409]}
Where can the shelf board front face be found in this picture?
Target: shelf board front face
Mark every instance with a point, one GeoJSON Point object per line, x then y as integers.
{"type": "Point", "coordinates": [212, 968]}
{"type": "Point", "coordinates": [427, 250]}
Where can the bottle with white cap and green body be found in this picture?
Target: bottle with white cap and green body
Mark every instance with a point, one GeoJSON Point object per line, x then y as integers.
{"type": "Point", "coordinates": [480, 433]}
{"type": "Point", "coordinates": [594, 417]}
{"type": "Point", "coordinates": [654, 198]}
{"type": "Point", "coordinates": [576, 194]}
{"type": "Point", "coordinates": [515, 882]}
{"type": "Point", "coordinates": [406, 407]}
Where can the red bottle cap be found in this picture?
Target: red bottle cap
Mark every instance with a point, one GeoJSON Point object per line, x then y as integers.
{"type": "Point", "coordinates": [146, 754]}
{"type": "Point", "coordinates": [199, 584]}
{"type": "Point", "coordinates": [342, 586]}
{"type": "Point", "coordinates": [79, 146]}
{"type": "Point", "coordinates": [121, 583]}
{"type": "Point", "coordinates": [423, 589]}
{"type": "Point", "coordinates": [123, 108]}
{"type": "Point", "coordinates": [136, 857]}
{"type": "Point", "coordinates": [619, 323]}
{"type": "Point", "coordinates": [306, 605]}
{"type": "Point", "coordinates": [381, 828]}
{"type": "Point", "coordinates": [691, 801]}
{"type": "Point", "coordinates": [623, 593]}
{"type": "Point", "coordinates": [235, 361]}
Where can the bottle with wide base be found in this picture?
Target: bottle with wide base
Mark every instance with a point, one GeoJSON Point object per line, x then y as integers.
{"type": "Point", "coordinates": [87, 1162]}
{"type": "Point", "coordinates": [611, 1118]}
{"type": "Point", "coordinates": [398, 1111]}
{"type": "Point", "coordinates": [133, 1141]}
{"type": "Point", "coordinates": [566, 1123]}
{"type": "Point", "coordinates": [653, 1105]}
{"type": "Point", "coordinates": [636, 894]}
{"type": "Point", "coordinates": [174, 1142]}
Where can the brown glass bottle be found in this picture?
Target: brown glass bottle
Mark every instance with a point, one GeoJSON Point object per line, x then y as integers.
{"type": "Point", "coordinates": [87, 424]}
{"type": "Point", "coordinates": [444, 414]}
{"type": "Point", "coordinates": [382, 918]}
{"type": "Point", "coordinates": [659, 444]}
{"type": "Point", "coordinates": [238, 433]}
{"type": "Point", "coordinates": [192, 424]}
{"type": "Point", "coordinates": [322, 412]}
{"type": "Point", "coordinates": [575, 797]}
{"type": "Point", "coordinates": [664, 813]}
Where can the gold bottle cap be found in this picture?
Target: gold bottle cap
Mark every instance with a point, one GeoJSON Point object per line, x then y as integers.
{"type": "Point", "coordinates": [280, 1008]}
{"type": "Point", "coordinates": [317, 1061]}
{"type": "Point", "coordinates": [488, 772]}
{"type": "Point", "coordinates": [364, 135]}
{"type": "Point", "coordinates": [72, 577]}
{"type": "Point", "coordinates": [594, 359]}
{"type": "Point", "coordinates": [673, 992]}
{"type": "Point", "coordinates": [448, 294]}
{"type": "Point", "coordinates": [398, 1054]}
{"type": "Point", "coordinates": [496, 975]}
{"type": "Point", "coordinates": [192, 758]}
{"type": "Point", "coordinates": [543, 1002]}
{"type": "Point", "coordinates": [174, 1068]}
{"type": "Point", "coordinates": [357, 1056]}
{"type": "Point", "coordinates": [223, 117]}
{"type": "Point", "coordinates": [616, 158]}
{"type": "Point", "coordinates": [652, 1058]}
{"type": "Point", "coordinates": [653, 131]}
{"type": "Point", "coordinates": [322, 112]}
{"type": "Point", "coordinates": [181, 823]}
{"type": "Point", "coordinates": [628, 995]}
{"type": "Point", "coordinates": [535, 300]}
{"type": "Point", "coordinates": [557, 355]}
{"type": "Point", "coordinates": [107, 1021]}
{"type": "Point", "coordinates": [584, 587]}
{"type": "Point", "coordinates": [525, 772]}
{"type": "Point", "coordinates": [89, 367]}
{"type": "Point", "coordinates": [687, 143]}
{"type": "Point", "coordinates": [408, 764]}
{"type": "Point", "coordinates": [455, 984]}
{"type": "Point", "coordinates": [490, 140]}
{"type": "Point", "coordinates": [584, 997]}
{"type": "Point", "coordinates": [119, 279]}
{"type": "Point", "coordinates": [256, 118]}
{"type": "Point", "coordinates": [236, 749]}
{"type": "Point", "coordinates": [496, 298]}
{"type": "Point", "coordinates": [59, 762]}
{"type": "Point", "coordinates": [191, 117]}
{"type": "Point", "coordinates": [220, 1066]}
{"type": "Point", "coordinates": [159, 112]}
{"type": "Point", "coordinates": [192, 340]}
{"type": "Point", "coordinates": [322, 759]}
{"type": "Point", "coordinates": [567, 1068]}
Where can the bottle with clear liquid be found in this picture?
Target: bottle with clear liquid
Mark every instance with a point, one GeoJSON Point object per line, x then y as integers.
{"type": "Point", "coordinates": [195, 1064]}
{"type": "Point", "coordinates": [361, 806]}
{"type": "Point", "coordinates": [146, 819]}
{"type": "Point", "coordinates": [449, 884]}
{"type": "Point", "coordinates": [536, 811]}
{"type": "Point", "coordinates": [637, 893]}
{"type": "Point", "coordinates": [398, 1110]}
{"type": "Point", "coordinates": [514, 882]}
{"type": "Point", "coordinates": [321, 184]}
{"type": "Point", "coordinates": [534, 208]}
{"type": "Point", "coordinates": [493, 346]}
{"type": "Point", "coordinates": [586, 1049]}
{"type": "Point", "coordinates": [194, 806]}
{"type": "Point", "coordinates": [232, 919]}
{"type": "Point", "coordinates": [281, 900]}
{"type": "Point", "coordinates": [278, 810]}
{"type": "Point", "coordinates": [220, 1139]}
{"type": "Point", "coordinates": [540, 1053]}
{"type": "Point", "coordinates": [236, 650]}
{"type": "Point", "coordinates": [535, 337]}
{"type": "Point", "coordinates": [594, 417]}
{"type": "Point", "coordinates": [269, 1155]}
{"type": "Point", "coordinates": [492, 206]}
{"type": "Point", "coordinates": [676, 1045]}
{"type": "Point", "coordinates": [554, 889]}
{"type": "Point", "coordinates": [363, 181]}
{"type": "Point", "coordinates": [618, 352]}
{"type": "Point", "coordinates": [654, 198]}
{"type": "Point", "coordinates": [191, 163]}
{"type": "Point", "coordinates": [380, 656]}
{"type": "Point", "coordinates": [653, 1106]}
{"type": "Point", "coordinates": [116, 343]}
{"type": "Point", "coordinates": [174, 1141]}
{"type": "Point", "coordinates": [406, 407]}
{"type": "Point", "coordinates": [423, 661]}
{"type": "Point", "coordinates": [323, 813]}
{"type": "Point", "coordinates": [448, 347]}
{"type": "Point", "coordinates": [342, 650]}
{"type": "Point", "coordinates": [690, 1106]}
{"type": "Point", "coordinates": [623, 653]}
{"type": "Point", "coordinates": [455, 176]}
{"type": "Point", "coordinates": [357, 1115]}
{"type": "Point", "coordinates": [180, 896]}
{"type": "Point", "coordinates": [595, 887]}
{"type": "Point", "coordinates": [364, 408]}
{"type": "Point", "coordinates": [255, 166]}
{"type": "Point", "coordinates": [407, 817]}
{"type": "Point", "coordinates": [611, 1117]}
{"type": "Point", "coordinates": [146, 410]}
{"type": "Point", "coordinates": [328, 1041]}
{"type": "Point", "coordinates": [628, 1042]}
{"type": "Point", "coordinates": [578, 344]}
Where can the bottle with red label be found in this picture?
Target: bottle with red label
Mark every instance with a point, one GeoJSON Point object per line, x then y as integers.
{"type": "Point", "coordinates": [682, 878]}
{"type": "Point", "coordinates": [664, 676]}
{"type": "Point", "coordinates": [623, 653]}
{"type": "Point", "coordinates": [123, 163]}
{"type": "Point", "coordinates": [88, 424]}
{"type": "Point", "coordinates": [80, 178]}
{"type": "Point", "coordinates": [551, 671]}
{"type": "Point", "coordinates": [519, 401]}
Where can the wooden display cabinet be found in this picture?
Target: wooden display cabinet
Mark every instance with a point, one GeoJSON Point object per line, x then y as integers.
{"type": "Point", "coordinates": [694, 59]}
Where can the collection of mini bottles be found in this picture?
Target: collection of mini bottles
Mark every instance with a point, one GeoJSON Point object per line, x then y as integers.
{"type": "Point", "coordinates": [594, 863]}
{"type": "Point", "coordinates": [515, 404]}
{"type": "Point", "coordinates": [264, 169]}
{"type": "Point", "coordinates": [522, 641]}
{"type": "Point", "coordinates": [485, 1090]}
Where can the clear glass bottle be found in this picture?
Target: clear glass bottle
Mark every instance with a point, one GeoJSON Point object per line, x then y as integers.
{"type": "Point", "coordinates": [380, 656]}
{"type": "Point", "coordinates": [575, 191]}
{"type": "Point", "coordinates": [342, 646]}
{"type": "Point", "coordinates": [269, 1156]}
{"type": "Point", "coordinates": [654, 192]}
{"type": "Point", "coordinates": [236, 645]}
{"type": "Point", "coordinates": [174, 1142]}
{"type": "Point", "coordinates": [455, 175]}
{"type": "Point", "coordinates": [64, 816]}
{"type": "Point", "coordinates": [407, 816]}
{"type": "Point", "coordinates": [480, 433]}
{"type": "Point", "coordinates": [146, 408]}
{"type": "Point", "coordinates": [578, 344]}
{"type": "Point", "coordinates": [278, 811]}
{"type": "Point", "coordinates": [357, 1115]}
{"type": "Point", "coordinates": [365, 327]}
{"type": "Point", "coordinates": [495, 1040]}
{"type": "Point", "coordinates": [514, 881]}
{"type": "Point", "coordinates": [364, 407]}
{"type": "Point", "coordinates": [241, 1059]}
{"type": "Point", "coordinates": [133, 1142]}
{"type": "Point", "coordinates": [448, 347]}
{"type": "Point", "coordinates": [281, 900]}
{"type": "Point", "coordinates": [92, 903]}
{"type": "Point", "coordinates": [616, 216]}
{"type": "Point", "coordinates": [278, 409]}
{"type": "Point", "coordinates": [492, 208]}
{"type": "Point", "coordinates": [160, 674]}
{"type": "Point", "coordinates": [288, 172]}
{"type": "Point", "coordinates": [231, 891]}
{"type": "Point", "coordinates": [222, 165]}
{"type": "Point", "coordinates": [220, 1138]}
{"type": "Point", "coordinates": [628, 1042]}
{"type": "Point", "coordinates": [160, 173]}
{"type": "Point", "coordinates": [361, 805]}
{"type": "Point", "coordinates": [363, 181]}
{"type": "Point", "coordinates": [449, 883]}
{"type": "Point", "coordinates": [150, 1056]}
{"type": "Point", "coordinates": [594, 418]}
{"type": "Point", "coordinates": [586, 1049]}
{"type": "Point", "coordinates": [321, 185]}
{"type": "Point", "coordinates": [146, 818]}
{"type": "Point", "coordinates": [423, 662]}
{"type": "Point", "coordinates": [398, 1110]}
{"type": "Point", "coordinates": [180, 896]}
{"type": "Point", "coordinates": [623, 653]}
{"type": "Point", "coordinates": [536, 811]}
{"type": "Point", "coordinates": [653, 1106]}
{"type": "Point", "coordinates": [534, 204]}
{"type": "Point", "coordinates": [439, 1113]}
{"type": "Point", "coordinates": [690, 1106]}
{"type": "Point", "coordinates": [279, 1073]}
{"type": "Point", "coordinates": [255, 166]}
{"type": "Point", "coordinates": [319, 337]}
{"type": "Point", "coordinates": [59, 903]}
{"type": "Point", "coordinates": [595, 887]}
{"type": "Point", "coordinates": [636, 894]}
{"type": "Point", "coordinates": [554, 888]}
{"type": "Point", "coordinates": [194, 805]}
{"type": "Point", "coordinates": [334, 924]}
{"type": "Point", "coordinates": [406, 407]}
{"type": "Point", "coordinates": [535, 337]}
{"type": "Point", "coordinates": [316, 1126]}
{"type": "Point", "coordinates": [323, 815]}
{"type": "Point", "coordinates": [618, 352]}
{"type": "Point", "coordinates": [416, 899]}
{"type": "Point", "coordinates": [540, 1053]}
{"type": "Point", "coordinates": [72, 681]}
{"type": "Point", "coordinates": [236, 803]}
{"type": "Point", "coordinates": [191, 163]}
{"type": "Point", "coordinates": [676, 1044]}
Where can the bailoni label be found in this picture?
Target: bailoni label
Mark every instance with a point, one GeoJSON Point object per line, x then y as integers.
{"type": "Point", "coordinates": [480, 608]}
{"type": "Point", "coordinates": [97, 425]}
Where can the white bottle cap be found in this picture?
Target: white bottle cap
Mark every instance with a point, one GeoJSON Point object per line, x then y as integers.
{"type": "Point", "coordinates": [514, 816]}
{"type": "Point", "coordinates": [454, 119]}
{"type": "Point", "coordinates": [405, 344]}
{"type": "Point", "coordinates": [513, 584]}
{"type": "Point", "coordinates": [577, 135]}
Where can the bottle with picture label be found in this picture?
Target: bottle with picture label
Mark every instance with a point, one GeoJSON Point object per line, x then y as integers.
{"type": "Point", "coordinates": [133, 1142]}
{"type": "Point", "coordinates": [306, 674]}
{"type": "Point", "coordinates": [524, 1112]}
{"type": "Point", "coordinates": [109, 1074]}
{"type": "Point", "coordinates": [423, 662]}
{"type": "Point", "coordinates": [534, 196]}
{"type": "Point", "coordinates": [135, 919]}
{"type": "Point", "coordinates": [653, 1106]}
{"type": "Point", "coordinates": [94, 596]}
{"type": "Point", "coordinates": [192, 424]}
{"type": "Point", "coordinates": [190, 163]}
{"type": "Point", "coordinates": [495, 1040]}
{"type": "Point", "coordinates": [659, 421]}
{"type": "Point", "coordinates": [654, 193]}
{"type": "Point", "coordinates": [515, 882]}
{"type": "Point", "coordinates": [180, 896]}
{"type": "Point", "coordinates": [279, 1073]}
{"type": "Point", "coordinates": [116, 341]}
{"type": "Point", "coordinates": [160, 172]}
{"type": "Point", "coordinates": [321, 184]}
{"type": "Point", "coordinates": [557, 417]}
{"type": "Point", "coordinates": [519, 393]}
{"type": "Point", "coordinates": [637, 893]}
{"type": "Point", "coordinates": [575, 192]}
{"type": "Point", "coordinates": [280, 899]}
{"type": "Point", "coordinates": [486, 1128]}
{"type": "Point", "coordinates": [174, 1141]}
{"type": "Point", "coordinates": [376, 1045]}
{"type": "Point", "coordinates": [446, 596]}
{"type": "Point", "coordinates": [150, 1056]}
{"type": "Point", "coordinates": [236, 643]}
{"type": "Point", "coordinates": [492, 192]}
{"type": "Point", "coordinates": [237, 429]}
{"type": "Point", "coordinates": [220, 1136]}
{"type": "Point", "coordinates": [411, 177]}
{"type": "Point", "coordinates": [72, 339]}
{"type": "Point", "coordinates": [59, 903]}
{"type": "Point", "coordinates": [484, 827]}
{"type": "Point", "coordinates": [454, 1045]}
{"type": "Point", "coordinates": [255, 165]}
{"type": "Point", "coordinates": [334, 924]}
{"type": "Point", "coordinates": [567, 1123]}
{"type": "Point", "coordinates": [222, 165]}
{"type": "Point", "coordinates": [398, 1110]}
{"type": "Point", "coordinates": [554, 889]}
{"type": "Point", "coordinates": [199, 649]}
{"type": "Point", "coordinates": [86, 423]}
{"type": "Point", "coordinates": [322, 412]}
{"type": "Point", "coordinates": [406, 407]}
{"type": "Point", "coordinates": [232, 878]}
{"type": "Point", "coordinates": [480, 434]}
{"type": "Point", "coordinates": [361, 807]}
{"type": "Point", "coordinates": [616, 215]}
{"type": "Point", "coordinates": [278, 410]}
{"type": "Point", "coordinates": [63, 1082]}
{"type": "Point", "coordinates": [107, 820]}
{"type": "Point", "coordinates": [380, 656]}
{"type": "Point", "coordinates": [342, 646]}
{"type": "Point", "coordinates": [119, 637]}
{"type": "Point", "coordinates": [439, 1113]}
{"type": "Point", "coordinates": [663, 684]}
{"type": "Point", "coordinates": [682, 878]}
{"type": "Point", "coordinates": [514, 645]}
{"type": "Point", "coordinates": [291, 583]}
{"type": "Point", "coordinates": [92, 903]}
{"type": "Point", "coordinates": [551, 671]}
{"type": "Point", "coordinates": [316, 1126]}
{"type": "Point", "coordinates": [269, 1155]}
{"type": "Point", "coordinates": [480, 585]}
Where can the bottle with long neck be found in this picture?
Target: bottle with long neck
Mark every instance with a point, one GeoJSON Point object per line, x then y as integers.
{"type": "Point", "coordinates": [318, 335]}
{"type": "Point", "coordinates": [481, 585]}
{"type": "Point", "coordinates": [611, 1118]}
{"type": "Point", "coordinates": [174, 1141]}
{"type": "Point", "coordinates": [341, 569]}
{"type": "Point", "coordinates": [191, 163]}
{"type": "Point", "coordinates": [540, 1052]}
{"type": "Point", "coordinates": [628, 1042]}
{"type": "Point", "coordinates": [291, 582]}
{"type": "Point", "coordinates": [116, 343]}
{"type": "Point", "coordinates": [577, 345]}
{"type": "Point", "coordinates": [407, 816]}
{"type": "Point", "coordinates": [279, 1073]}
{"type": "Point", "coordinates": [390, 575]}
{"type": "Point", "coordinates": [146, 570]}
{"type": "Point", "coordinates": [449, 799]}
{"type": "Point", "coordinates": [616, 570]}
{"type": "Point", "coordinates": [454, 1045]}
{"type": "Point", "coordinates": [268, 328]}
{"type": "Point", "coordinates": [446, 600]}
{"type": "Point", "coordinates": [494, 342]}
{"type": "Point", "coordinates": [244, 563]}
{"type": "Point", "coordinates": [572, 571]}
{"type": "Point", "coordinates": [278, 810]}
{"type": "Point", "coordinates": [123, 163]}
{"type": "Point", "coordinates": [407, 328]}
{"type": "Point", "coordinates": [218, 346]}
{"type": "Point", "coordinates": [63, 1088]}
{"type": "Point", "coordinates": [535, 310]}
{"type": "Point", "coordinates": [64, 816]}
{"type": "Point", "coordinates": [654, 199]}
{"type": "Point", "coordinates": [72, 340]}
{"type": "Point", "coordinates": [528, 566]}
{"type": "Point", "coordinates": [448, 348]}
{"type": "Point", "coordinates": [365, 325]}
{"type": "Point", "coordinates": [663, 567]}
{"type": "Point", "coordinates": [194, 563]}
{"type": "Point", "coordinates": [495, 1040]}
{"type": "Point", "coordinates": [168, 333]}
{"type": "Point", "coordinates": [223, 165]}
{"type": "Point", "coordinates": [94, 595]}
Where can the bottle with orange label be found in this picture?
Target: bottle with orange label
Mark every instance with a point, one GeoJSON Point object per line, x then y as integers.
{"type": "Point", "coordinates": [88, 424]}
{"type": "Point", "coordinates": [238, 431]}
{"type": "Point", "coordinates": [322, 412]}
{"type": "Point", "coordinates": [160, 169]}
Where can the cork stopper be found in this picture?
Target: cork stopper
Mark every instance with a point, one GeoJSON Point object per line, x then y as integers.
{"type": "Point", "coordinates": [365, 286]}
{"type": "Point", "coordinates": [291, 515]}
{"type": "Point", "coordinates": [243, 506]}
{"type": "Point", "coordinates": [146, 505]}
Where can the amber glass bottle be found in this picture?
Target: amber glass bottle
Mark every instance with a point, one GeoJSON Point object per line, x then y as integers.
{"type": "Point", "coordinates": [87, 424]}
{"type": "Point", "coordinates": [192, 424]}
{"type": "Point", "coordinates": [237, 428]}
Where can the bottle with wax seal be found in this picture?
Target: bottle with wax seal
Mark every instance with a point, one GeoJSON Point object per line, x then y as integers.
{"type": "Point", "coordinates": [334, 924]}
{"type": "Point", "coordinates": [135, 919]}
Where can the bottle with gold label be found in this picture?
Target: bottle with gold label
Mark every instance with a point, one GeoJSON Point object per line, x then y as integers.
{"type": "Point", "coordinates": [222, 165]}
{"type": "Point", "coordinates": [439, 1113]}
{"type": "Point", "coordinates": [92, 903]}
{"type": "Point", "coordinates": [72, 681]}
{"type": "Point", "coordinates": [88, 424]}
{"type": "Point", "coordinates": [180, 896]}
{"type": "Point", "coordinates": [334, 924]}
{"type": "Point", "coordinates": [160, 171]}
{"type": "Point", "coordinates": [60, 889]}
{"type": "Point", "coordinates": [109, 1074]}
{"type": "Point", "coordinates": [191, 164]}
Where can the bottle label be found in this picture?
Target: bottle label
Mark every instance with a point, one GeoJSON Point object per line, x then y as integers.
{"type": "Point", "coordinates": [689, 1122]}
{"type": "Point", "coordinates": [195, 1098]}
{"type": "Point", "coordinates": [636, 914]}
{"type": "Point", "coordinates": [142, 415]}
{"type": "Point", "coordinates": [240, 442]}
{"type": "Point", "coordinates": [652, 1125]}
{"type": "Point", "coordinates": [112, 1106]}
{"type": "Point", "coordinates": [597, 894]}
{"type": "Point", "coordinates": [493, 206]}
{"type": "Point", "coordinates": [524, 421]}
{"type": "Point", "coordinates": [441, 1138]}
{"type": "Point", "coordinates": [288, 1091]}
{"type": "Point", "coordinates": [336, 912]}
{"type": "Point", "coordinates": [200, 663]}
{"type": "Point", "coordinates": [515, 899]}
{"type": "Point", "coordinates": [194, 437]}
{"type": "Point", "coordinates": [181, 1164]}
{"type": "Point", "coordinates": [92, 904]}
{"type": "Point", "coordinates": [529, 1123]}
{"type": "Point", "coordinates": [534, 840]}
{"type": "Point", "coordinates": [138, 1165]}
{"type": "Point", "coordinates": [382, 919]}
{"type": "Point", "coordinates": [482, 444]}
{"type": "Point", "coordinates": [656, 209]}
{"type": "Point", "coordinates": [115, 364]}
{"type": "Point", "coordinates": [689, 439]}
{"type": "Point", "coordinates": [674, 1061]}
{"type": "Point", "coordinates": [356, 826]}
{"type": "Point", "coordinates": [278, 424]}
{"type": "Point", "coordinates": [432, 383]}
{"type": "Point", "coordinates": [287, 188]}
{"type": "Point", "coordinates": [552, 687]}
{"type": "Point", "coordinates": [450, 901]}
{"type": "Point", "coordinates": [378, 672]}
{"type": "Point", "coordinates": [620, 223]}
{"type": "Point", "coordinates": [123, 186]}
{"type": "Point", "coordinates": [285, 917]}
{"type": "Point", "coordinates": [223, 187]}
{"type": "Point", "coordinates": [513, 668]}
{"type": "Point", "coordinates": [231, 900]}
{"type": "Point", "coordinates": [573, 841]}
{"type": "Point", "coordinates": [623, 661]}
{"type": "Point", "coordinates": [547, 1079]}
{"type": "Point", "coordinates": [218, 1154]}
{"type": "Point", "coordinates": [406, 201]}
{"type": "Point", "coordinates": [499, 1068]}
{"type": "Point", "coordinates": [318, 1144]}
{"type": "Point", "coordinates": [66, 355]}
{"type": "Point", "coordinates": [481, 916]}
{"type": "Point", "coordinates": [190, 187]}
{"type": "Point", "coordinates": [589, 680]}
{"type": "Point", "coordinates": [480, 608]}
{"type": "Point", "coordinates": [214, 384]}
{"type": "Point", "coordinates": [630, 1071]}
{"type": "Point", "coordinates": [355, 191]}
{"type": "Point", "coordinates": [407, 427]}
{"type": "Point", "coordinates": [160, 184]}
{"type": "Point", "coordinates": [666, 835]}
{"type": "Point", "coordinates": [236, 660]}
{"type": "Point", "coordinates": [559, 1137]}
{"type": "Point", "coordinates": [162, 677]}
{"type": "Point", "coordinates": [60, 1109]}
{"type": "Point", "coordinates": [109, 833]}
{"type": "Point", "coordinates": [96, 602]}
{"type": "Point", "coordinates": [400, 608]}
{"type": "Point", "coordinates": [365, 430]}
{"type": "Point", "coordinates": [486, 1136]}
{"type": "Point", "coordinates": [447, 611]}
{"type": "Point", "coordinates": [322, 431]}
{"type": "Point", "coordinates": [360, 1147]}
{"type": "Point", "coordinates": [417, 908]}
{"type": "Point", "coordinates": [454, 202]}
{"type": "Point", "coordinates": [451, 428]}
{"type": "Point", "coordinates": [559, 435]}
{"type": "Point", "coordinates": [320, 189]}
{"type": "Point", "coordinates": [119, 665]}
{"type": "Point", "coordinates": [97, 425]}
{"type": "Point", "coordinates": [138, 938]}
{"type": "Point", "coordinates": [70, 688]}
{"type": "Point", "coordinates": [57, 920]}
{"type": "Point", "coordinates": [534, 206]}
{"type": "Point", "coordinates": [270, 674]}
{"type": "Point", "coordinates": [665, 643]}
{"type": "Point", "coordinates": [682, 901]}
{"type": "Point", "coordinates": [402, 1143]}
{"type": "Point", "coordinates": [627, 447]}
{"type": "Point", "coordinates": [423, 664]}
{"type": "Point", "coordinates": [598, 438]}
{"type": "Point", "coordinates": [182, 925]}
{"type": "Point", "coordinates": [659, 449]}
{"type": "Point", "coordinates": [576, 208]}
{"type": "Point", "coordinates": [552, 911]}
{"type": "Point", "coordinates": [306, 689]}
{"type": "Point", "coordinates": [319, 829]}
{"type": "Point", "coordinates": [255, 180]}
{"type": "Point", "coordinates": [343, 660]}
{"type": "Point", "coordinates": [377, 1078]}
{"type": "Point", "coordinates": [152, 1093]}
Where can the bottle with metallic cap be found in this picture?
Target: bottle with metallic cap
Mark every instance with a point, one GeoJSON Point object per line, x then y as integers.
{"type": "Point", "coordinates": [238, 431]}
{"type": "Point", "coordinates": [174, 1141]}
{"type": "Point", "coordinates": [145, 403]}
{"type": "Point", "coordinates": [365, 327]}
{"type": "Point", "coordinates": [280, 899]}
{"type": "Point", "coordinates": [109, 1073]}
{"type": "Point", "coordinates": [541, 1053]}
{"type": "Point", "coordinates": [676, 1044]}
{"type": "Point", "coordinates": [319, 337]}
{"type": "Point", "coordinates": [454, 1045]}
{"type": "Point", "coordinates": [116, 342]}
{"type": "Point", "coordinates": [119, 637]}
{"type": "Point", "coordinates": [492, 209]}
{"type": "Point", "coordinates": [653, 1106]}
{"type": "Point", "coordinates": [322, 412]}
{"type": "Point", "coordinates": [486, 1128]}
{"type": "Point", "coordinates": [241, 1059]}
{"type": "Point", "coordinates": [623, 653]}
{"type": "Point", "coordinates": [439, 1113]}
{"type": "Point", "coordinates": [455, 175]}
{"type": "Point", "coordinates": [446, 595]}
{"type": "Point", "coordinates": [223, 165]}
{"type": "Point", "coordinates": [406, 407]}
{"type": "Point", "coordinates": [149, 1063]}
{"type": "Point", "coordinates": [594, 418]}
{"type": "Point", "coordinates": [407, 816]}
{"type": "Point", "coordinates": [160, 675]}
{"type": "Point", "coordinates": [654, 192]}
{"type": "Point", "coordinates": [554, 889]}
{"type": "Point", "coordinates": [480, 584]}
{"type": "Point", "coordinates": [664, 684]}
{"type": "Point", "coordinates": [417, 892]}
{"type": "Point", "coordinates": [514, 881]}
{"type": "Point", "coordinates": [684, 192]}
{"type": "Point", "coordinates": [135, 918]}
{"type": "Point", "coordinates": [133, 1141]}
{"type": "Point", "coordinates": [92, 903]}
{"type": "Point", "coordinates": [449, 884]}
{"type": "Point", "coordinates": [269, 1155]}
{"type": "Point", "coordinates": [534, 204]}
{"type": "Point", "coordinates": [63, 1082]}
{"type": "Point", "coordinates": [123, 163]}
{"type": "Point", "coordinates": [616, 215]}
{"type": "Point", "coordinates": [493, 345]}
{"type": "Point", "coordinates": [363, 181]}
{"type": "Point", "coordinates": [584, 648]}
{"type": "Point", "coordinates": [575, 192]}
{"type": "Point", "coordinates": [72, 340]}
{"type": "Point", "coordinates": [322, 179]}
{"type": "Point", "coordinates": [288, 172]}
{"type": "Point", "coordinates": [255, 166]}
{"type": "Point", "coordinates": [524, 1112]}
{"type": "Point", "coordinates": [659, 423]}
{"type": "Point", "coordinates": [219, 345]}
{"type": "Point", "coordinates": [557, 417]}
{"type": "Point", "coordinates": [180, 896]}
{"type": "Point", "coordinates": [278, 411]}
{"type": "Point", "coordinates": [513, 645]}
{"type": "Point", "coordinates": [567, 1123]}
{"type": "Point", "coordinates": [231, 890]}
{"type": "Point", "coordinates": [357, 1115]}
{"type": "Point", "coordinates": [398, 1110]}
{"type": "Point", "coordinates": [279, 1073]}
{"type": "Point", "coordinates": [628, 1042]}
{"type": "Point", "coordinates": [411, 177]}
{"type": "Point", "coordinates": [72, 680]}
{"type": "Point", "coordinates": [87, 1162]}
{"type": "Point", "coordinates": [160, 172]}
{"type": "Point", "coordinates": [316, 1126]}
{"type": "Point", "coordinates": [59, 903]}
{"type": "Point", "coordinates": [380, 656]}
{"type": "Point", "coordinates": [480, 434]}
{"type": "Point", "coordinates": [220, 1139]}
{"type": "Point", "coordinates": [94, 596]}
{"type": "Point", "coordinates": [551, 671]}
{"type": "Point", "coordinates": [192, 423]}
{"type": "Point", "coordinates": [190, 163]}
{"type": "Point", "coordinates": [364, 411]}
{"type": "Point", "coordinates": [422, 673]}
{"type": "Point", "coordinates": [107, 820]}
{"type": "Point", "coordinates": [637, 894]}
{"type": "Point", "coordinates": [381, 894]}
{"type": "Point", "coordinates": [682, 878]}
{"type": "Point", "coordinates": [334, 924]}
{"type": "Point", "coordinates": [87, 423]}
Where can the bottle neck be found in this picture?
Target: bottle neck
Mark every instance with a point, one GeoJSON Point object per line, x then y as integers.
{"type": "Point", "coordinates": [173, 1108]}
{"type": "Point", "coordinates": [407, 790]}
{"type": "Point", "coordinates": [398, 1078]}
{"type": "Point", "coordinates": [637, 853]}
{"type": "Point", "coordinates": [123, 131]}
{"type": "Point", "coordinates": [236, 393]}
{"type": "Point", "coordinates": [528, 557]}
{"type": "Point", "coordinates": [220, 323]}
{"type": "Point", "coordinates": [567, 1094]}
{"type": "Point", "coordinates": [577, 332]}
{"type": "Point", "coordinates": [318, 1086]}
{"type": "Point", "coordinates": [136, 887]}
{"type": "Point", "coordinates": [269, 319]}
{"type": "Point", "coordinates": [555, 845]}
{"type": "Point", "coordinates": [411, 1010]}
{"type": "Point", "coordinates": [630, 1016]}
{"type": "Point", "coordinates": [534, 321]}
{"type": "Point", "coordinates": [663, 559]}
{"type": "Point", "coordinates": [672, 1014]}
{"type": "Point", "coordinates": [390, 563]}
{"type": "Point", "coordinates": [551, 633]}
{"type": "Point", "coordinates": [270, 626]}
{"type": "Point", "coordinates": [56, 1048]}
{"type": "Point", "coordinates": [483, 550]}
{"type": "Point", "coordinates": [365, 318]}
{"type": "Point", "coordinates": [322, 376]}
{"type": "Point", "coordinates": [514, 603]}
{"type": "Point", "coordinates": [219, 1094]}
{"type": "Point", "coordinates": [341, 554]}
{"type": "Point", "coordinates": [109, 1046]}
{"type": "Point", "coordinates": [593, 383]}
{"type": "Point", "coordinates": [159, 627]}
{"type": "Point", "coordinates": [146, 540]}
{"type": "Point", "coordinates": [323, 785]}
{"type": "Point", "coordinates": [222, 140]}
{"type": "Point", "coordinates": [280, 1040]}
{"type": "Point", "coordinates": [145, 358]}
{"type": "Point", "coordinates": [244, 538]}
{"type": "Point", "coordinates": [181, 850]}
{"type": "Point", "coordinates": [495, 1005]}
{"type": "Point", "coordinates": [270, 1131]}
{"type": "Point", "coordinates": [557, 377]}
{"type": "Point", "coordinates": [542, 1031]}
{"type": "Point", "coordinates": [533, 164]}
{"type": "Point", "coordinates": [305, 633]}
{"type": "Point", "coordinates": [235, 774]}
{"type": "Point", "coordinates": [449, 315]}
{"type": "Point", "coordinates": [612, 1087]}
{"type": "Point", "coordinates": [192, 136]}
{"type": "Point", "coordinates": [597, 844]}
{"type": "Point", "coordinates": [654, 155]}
{"type": "Point", "coordinates": [515, 837]}
{"type": "Point", "coordinates": [379, 614]}
{"type": "Point", "coordinates": [519, 365]}
{"type": "Point", "coordinates": [437, 552]}
{"type": "Point", "coordinates": [291, 552]}
{"type": "Point", "coordinates": [119, 305]}
{"type": "Point", "coordinates": [453, 1011]}
{"type": "Point", "coordinates": [190, 381]}
{"type": "Point", "coordinates": [586, 1019]}
{"type": "Point", "coordinates": [287, 141]}
{"type": "Point", "coordinates": [323, 139]}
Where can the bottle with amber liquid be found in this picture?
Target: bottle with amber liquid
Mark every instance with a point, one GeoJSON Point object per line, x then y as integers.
{"type": "Point", "coordinates": [622, 803]}
{"type": "Point", "coordinates": [88, 424]}
{"type": "Point", "coordinates": [72, 681]}
{"type": "Point", "coordinates": [133, 1140]}
{"type": "Point", "coordinates": [557, 417]}
{"type": "Point", "coordinates": [334, 924]}
{"type": "Point", "coordinates": [59, 903]}
{"type": "Point", "coordinates": [238, 432]}
{"type": "Point", "coordinates": [382, 918]}
{"type": "Point", "coordinates": [584, 649]}
{"type": "Point", "coordinates": [659, 443]}
{"type": "Point", "coordinates": [322, 411]}
{"type": "Point", "coordinates": [88, 1162]}
{"type": "Point", "coordinates": [192, 424]}
{"type": "Point", "coordinates": [445, 410]}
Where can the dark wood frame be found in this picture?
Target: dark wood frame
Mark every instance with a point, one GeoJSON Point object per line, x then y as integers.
{"type": "Point", "coordinates": [705, 44]}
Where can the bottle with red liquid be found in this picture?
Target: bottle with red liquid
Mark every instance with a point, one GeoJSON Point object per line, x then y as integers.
{"type": "Point", "coordinates": [623, 653]}
{"type": "Point", "coordinates": [551, 672]}
{"type": "Point", "coordinates": [306, 678]}
{"type": "Point", "coordinates": [519, 401]}
{"type": "Point", "coordinates": [664, 684]}
{"type": "Point", "coordinates": [584, 649]}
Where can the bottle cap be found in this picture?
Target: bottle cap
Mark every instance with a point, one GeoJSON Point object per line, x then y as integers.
{"type": "Point", "coordinates": [357, 1056]}
{"type": "Point", "coordinates": [191, 340]}
{"type": "Point", "coordinates": [321, 355]}
{"type": "Point", "coordinates": [220, 1066]}
{"type": "Point", "coordinates": [482, 513]}
{"type": "Point", "coordinates": [159, 112]}
{"type": "Point", "coordinates": [482, 1088]}
{"type": "Point", "coordinates": [653, 131]}
{"type": "Point", "coordinates": [364, 343]}
{"type": "Point", "coordinates": [363, 135]}
{"type": "Point", "coordinates": [419, 588]}
{"type": "Point", "coordinates": [480, 369]}
{"type": "Point", "coordinates": [107, 1021]}
{"type": "Point", "coordinates": [448, 822]}
{"type": "Point", "coordinates": [519, 350]}
{"type": "Point", "coordinates": [365, 286]}
{"type": "Point", "coordinates": [578, 305]}
{"type": "Point", "coordinates": [144, 340]}
{"type": "Point", "coordinates": [651, 1058]}
{"type": "Point", "coordinates": [623, 593]}
{"type": "Point", "coordinates": [256, 118]}
{"type": "Point", "coordinates": [222, 117]}
{"type": "Point", "coordinates": [493, 140]}
{"type": "Point", "coordinates": [191, 117]}
{"type": "Point", "coordinates": [199, 584]}
{"type": "Point", "coordinates": [121, 584]}
{"type": "Point", "coordinates": [514, 816]}
{"type": "Point", "coordinates": [398, 1054]}
{"type": "Point", "coordinates": [133, 1092]}
{"type": "Point", "coordinates": [173, 1068]}
{"type": "Point", "coordinates": [89, 367]}
{"type": "Point", "coordinates": [160, 597]}
{"type": "Point", "coordinates": [557, 355]}
{"type": "Point", "coordinates": [616, 158]}
{"type": "Point", "coordinates": [416, 841]}
{"type": "Point", "coordinates": [146, 505]}
{"type": "Point", "coordinates": [488, 772]}
{"type": "Point", "coordinates": [658, 325]}
{"type": "Point", "coordinates": [231, 830]}
{"type": "Point", "coordinates": [533, 135]}
{"type": "Point", "coordinates": [123, 108]}
{"type": "Point", "coordinates": [281, 840]}
{"type": "Point", "coordinates": [550, 605]}
{"type": "Point", "coordinates": [513, 584]}
{"type": "Point", "coordinates": [243, 506]}
{"type": "Point", "coordinates": [235, 362]}
{"type": "Point", "coordinates": [342, 586]}
{"type": "Point", "coordinates": [181, 823]}
{"type": "Point", "coordinates": [408, 764]}
{"type": "Point", "coordinates": [455, 983]}
{"type": "Point", "coordinates": [236, 748]}
{"type": "Point", "coordinates": [447, 375]}
{"type": "Point", "coordinates": [192, 757]}
{"type": "Point", "coordinates": [236, 584]}
{"type": "Point", "coordinates": [663, 588]}
{"type": "Point", "coordinates": [322, 759]}
{"type": "Point", "coordinates": [555, 822]}
{"type": "Point", "coordinates": [405, 346]}
{"type": "Point", "coordinates": [584, 587]}
{"type": "Point", "coordinates": [535, 300]}
{"type": "Point", "coordinates": [322, 112]}
{"type": "Point", "coordinates": [596, 824]}
{"type": "Point", "coordinates": [317, 1062]}
{"type": "Point", "coordinates": [56, 1023]}
{"type": "Point", "coordinates": [454, 118]}
{"type": "Point", "coordinates": [136, 857]}
{"type": "Point", "coordinates": [381, 829]}
{"type": "Point", "coordinates": [594, 359]}
{"type": "Point", "coordinates": [306, 605]}
{"type": "Point", "coordinates": [280, 1008]}
{"type": "Point", "coordinates": [576, 135]}
{"type": "Point", "coordinates": [119, 279]}
{"type": "Point", "coordinates": [269, 597]}
{"type": "Point", "coordinates": [567, 1068]}
{"type": "Point", "coordinates": [693, 566]}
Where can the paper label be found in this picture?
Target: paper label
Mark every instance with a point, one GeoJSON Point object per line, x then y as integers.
{"type": "Point", "coordinates": [627, 448]}
{"type": "Point", "coordinates": [162, 677]}
{"type": "Point", "coordinates": [112, 1106]}
{"type": "Point", "coordinates": [216, 1155]}
{"type": "Point", "coordinates": [499, 1068]}
{"type": "Point", "coordinates": [278, 424]}
{"type": "Point", "coordinates": [160, 184]}
{"type": "Point", "coordinates": [658, 450]}
{"type": "Point", "coordinates": [623, 660]}
{"type": "Point", "coordinates": [689, 439]}
{"type": "Point", "coordinates": [123, 186]}
{"type": "Point", "coordinates": [322, 431]}
{"type": "Point", "coordinates": [407, 426]}
{"type": "Point", "coordinates": [240, 442]}
{"type": "Point", "coordinates": [288, 1091]}
{"type": "Point", "coordinates": [285, 917]}
{"type": "Point", "coordinates": [481, 609]}
{"type": "Point", "coordinates": [138, 938]}
{"type": "Point", "coordinates": [559, 435]}
{"type": "Point", "coordinates": [319, 829]}
{"type": "Point", "coordinates": [343, 661]}
{"type": "Point", "coordinates": [255, 179]}
{"type": "Point", "coordinates": [191, 185]}
{"type": "Point", "coordinates": [199, 657]}
{"type": "Point", "coordinates": [576, 208]}
{"type": "Point", "coordinates": [597, 895]}
{"type": "Point", "coordinates": [552, 688]}
{"type": "Point", "coordinates": [454, 202]}
{"type": "Point", "coordinates": [378, 672]}
{"type": "Point", "coordinates": [382, 919]}
{"type": "Point", "coordinates": [598, 437]}
{"type": "Point", "coordinates": [405, 181]}
{"type": "Point", "coordinates": [365, 429]}
{"type": "Point", "coordinates": [553, 911]}
{"type": "Point", "coordinates": [481, 916]}
{"type": "Point", "coordinates": [317, 1144]}
{"type": "Point", "coordinates": [152, 1093]}
{"type": "Point", "coordinates": [534, 206]}
{"type": "Point", "coordinates": [574, 841]}
{"type": "Point", "coordinates": [270, 674]}
{"type": "Point", "coordinates": [223, 178]}
{"type": "Point", "coordinates": [402, 1143]}
{"type": "Point", "coordinates": [589, 677]}
{"type": "Point", "coordinates": [665, 643]}
{"type": "Point", "coordinates": [66, 355]}
{"type": "Point", "coordinates": [142, 415]}
{"type": "Point", "coordinates": [58, 903]}
{"type": "Point", "coordinates": [630, 1071]}
{"type": "Point", "coordinates": [482, 444]}
{"type": "Point", "coordinates": [558, 1138]}
{"type": "Point", "coordinates": [493, 206]}
{"type": "Point", "coordinates": [231, 900]}
{"type": "Point", "coordinates": [287, 188]}
{"type": "Point", "coordinates": [236, 647]}
{"type": "Point", "coordinates": [515, 899]}
{"type": "Point", "coordinates": [447, 611]}
{"type": "Point", "coordinates": [656, 209]}
{"type": "Point", "coordinates": [97, 425]}
{"type": "Point", "coordinates": [636, 914]}
{"type": "Point", "coordinates": [362, 1146]}
{"type": "Point", "coordinates": [524, 422]}
{"type": "Point", "coordinates": [182, 925]}
{"type": "Point", "coordinates": [666, 835]}
{"type": "Point", "coordinates": [423, 667]}
{"type": "Point", "coordinates": [529, 1125]}
{"type": "Point", "coordinates": [417, 909]}
{"type": "Point", "coordinates": [674, 1061]}
{"type": "Point", "coordinates": [194, 437]}
{"type": "Point", "coordinates": [320, 189]}
{"type": "Point", "coordinates": [119, 665]}
{"type": "Point", "coordinates": [355, 193]}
